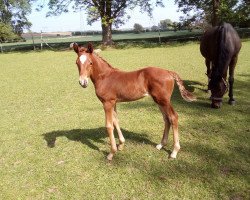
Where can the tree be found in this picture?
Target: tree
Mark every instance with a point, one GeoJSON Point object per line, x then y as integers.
{"type": "Point", "coordinates": [213, 12]}
{"type": "Point", "coordinates": [6, 32]}
{"type": "Point", "coordinates": [138, 28]}
{"type": "Point", "coordinates": [175, 26]}
{"type": "Point", "coordinates": [13, 13]}
{"type": "Point", "coordinates": [154, 28]}
{"type": "Point", "coordinates": [235, 12]}
{"type": "Point", "coordinates": [108, 11]}
{"type": "Point", "coordinates": [165, 24]}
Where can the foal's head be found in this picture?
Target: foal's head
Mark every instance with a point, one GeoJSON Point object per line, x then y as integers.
{"type": "Point", "coordinates": [83, 62]}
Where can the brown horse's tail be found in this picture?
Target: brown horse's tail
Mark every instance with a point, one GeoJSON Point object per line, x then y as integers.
{"type": "Point", "coordinates": [186, 95]}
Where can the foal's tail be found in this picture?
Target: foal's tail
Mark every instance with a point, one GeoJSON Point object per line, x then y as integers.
{"type": "Point", "coordinates": [186, 95]}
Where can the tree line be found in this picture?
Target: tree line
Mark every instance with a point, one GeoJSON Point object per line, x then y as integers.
{"type": "Point", "coordinates": [112, 14]}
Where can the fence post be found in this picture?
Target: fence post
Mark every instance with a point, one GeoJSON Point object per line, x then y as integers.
{"type": "Point", "coordinates": [34, 47]}
{"type": "Point", "coordinates": [159, 35]}
{"type": "Point", "coordinates": [41, 40]}
{"type": "Point", "coordinates": [1, 47]}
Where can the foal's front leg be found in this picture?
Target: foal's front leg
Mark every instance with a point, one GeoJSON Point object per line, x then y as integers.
{"type": "Point", "coordinates": [108, 108]}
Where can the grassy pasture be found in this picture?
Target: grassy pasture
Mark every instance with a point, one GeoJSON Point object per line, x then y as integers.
{"type": "Point", "coordinates": [53, 143]}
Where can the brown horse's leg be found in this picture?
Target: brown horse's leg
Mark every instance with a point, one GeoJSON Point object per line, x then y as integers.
{"type": "Point", "coordinates": [231, 79]}
{"type": "Point", "coordinates": [108, 108]}
{"type": "Point", "coordinates": [166, 130]}
{"type": "Point", "coordinates": [162, 98]}
{"type": "Point", "coordinates": [173, 119]}
{"type": "Point", "coordinates": [120, 135]}
{"type": "Point", "coordinates": [207, 62]}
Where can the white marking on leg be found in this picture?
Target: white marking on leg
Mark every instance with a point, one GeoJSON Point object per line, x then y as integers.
{"type": "Point", "coordinates": [110, 156]}
{"type": "Point", "coordinates": [173, 154]}
{"type": "Point", "coordinates": [159, 146]}
{"type": "Point", "coordinates": [175, 150]}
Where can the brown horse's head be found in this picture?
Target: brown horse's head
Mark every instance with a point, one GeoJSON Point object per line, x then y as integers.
{"type": "Point", "coordinates": [218, 87]}
{"type": "Point", "coordinates": [83, 62]}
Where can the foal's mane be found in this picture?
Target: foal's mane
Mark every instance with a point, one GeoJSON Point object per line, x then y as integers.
{"type": "Point", "coordinates": [84, 49]}
{"type": "Point", "coordinates": [104, 61]}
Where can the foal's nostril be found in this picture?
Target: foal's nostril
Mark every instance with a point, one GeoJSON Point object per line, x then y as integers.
{"type": "Point", "coordinates": [83, 83]}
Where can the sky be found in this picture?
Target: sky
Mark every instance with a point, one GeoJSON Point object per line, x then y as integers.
{"type": "Point", "coordinates": [73, 21]}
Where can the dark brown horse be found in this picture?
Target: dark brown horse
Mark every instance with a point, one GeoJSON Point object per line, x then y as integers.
{"type": "Point", "coordinates": [220, 47]}
{"type": "Point", "coordinates": [113, 86]}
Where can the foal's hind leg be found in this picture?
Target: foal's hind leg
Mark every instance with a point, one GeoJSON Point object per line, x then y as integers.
{"type": "Point", "coordinates": [120, 135]}
{"type": "Point", "coordinates": [173, 119]}
{"type": "Point", "coordinates": [166, 130]}
{"type": "Point", "coordinates": [231, 79]}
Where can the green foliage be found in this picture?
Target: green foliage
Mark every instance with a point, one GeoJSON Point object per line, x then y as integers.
{"type": "Point", "coordinates": [236, 13]}
{"type": "Point", "coordinates": [166, 24]}
{"type": "Point", "coordinates": [109, 12]}
{"type": "Point", "coordinates": [6, 33]}
{"type": "Point", "coordinates": [53, 142]}
{"type": "Point", "coordinates": [154, 28]}
{"type": "Point", "coordinates": [233, 11]}
{"type": "Point", "coordinates": [14, 12]}
{"type": "Point", "coordinates": [138, 28]}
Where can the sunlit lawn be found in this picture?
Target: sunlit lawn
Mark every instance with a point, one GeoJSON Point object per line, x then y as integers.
{"type": "Point", "coordinates": [53, 143]}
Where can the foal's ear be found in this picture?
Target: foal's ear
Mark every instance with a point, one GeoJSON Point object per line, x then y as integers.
{"type": "Point", "coordinates": [74, 46]}
{"type": "Point", "coordinates": [90, 48]}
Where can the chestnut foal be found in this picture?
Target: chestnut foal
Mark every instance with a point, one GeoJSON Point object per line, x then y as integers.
{"type": "Point", "coordinates": [113, 86]}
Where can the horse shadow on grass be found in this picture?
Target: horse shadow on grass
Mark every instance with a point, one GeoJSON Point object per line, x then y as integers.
{"type": "Point", "coordinates": [91, 137]}
{"type": "Point", "coordinates": [191, 86]}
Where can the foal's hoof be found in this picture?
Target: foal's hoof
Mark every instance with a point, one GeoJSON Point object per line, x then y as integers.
{"type": "Point", "coordinates": [231, 102]}
{"type": "Point", "coordinates": [110, 157]}
{"type": "Point", "coordinates": [172, 156]}
{"type": "Point", "coordinates": [120, 147]}
{"type": "Point", "coordinates": [159, 146]}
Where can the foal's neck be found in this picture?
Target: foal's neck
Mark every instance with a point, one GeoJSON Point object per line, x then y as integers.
{"type": "Point", "coordinates": [101, 68]}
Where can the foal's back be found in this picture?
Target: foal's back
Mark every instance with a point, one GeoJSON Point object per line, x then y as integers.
{"type": "Point", "coordinates": [131, 86]}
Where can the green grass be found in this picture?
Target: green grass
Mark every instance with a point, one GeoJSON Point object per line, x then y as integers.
{"type": "Point", "coordinates": [53, 143]}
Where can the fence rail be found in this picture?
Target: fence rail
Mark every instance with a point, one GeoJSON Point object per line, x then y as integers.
{"type": "Point", "coordinates": [54, 43]}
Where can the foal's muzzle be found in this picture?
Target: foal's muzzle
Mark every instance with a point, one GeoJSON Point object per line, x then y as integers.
{"type": "Point", "coordinates": [83, 82]}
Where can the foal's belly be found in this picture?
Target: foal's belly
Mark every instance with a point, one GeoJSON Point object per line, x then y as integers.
{"type": "Point", "coordinates": [131, 96]}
